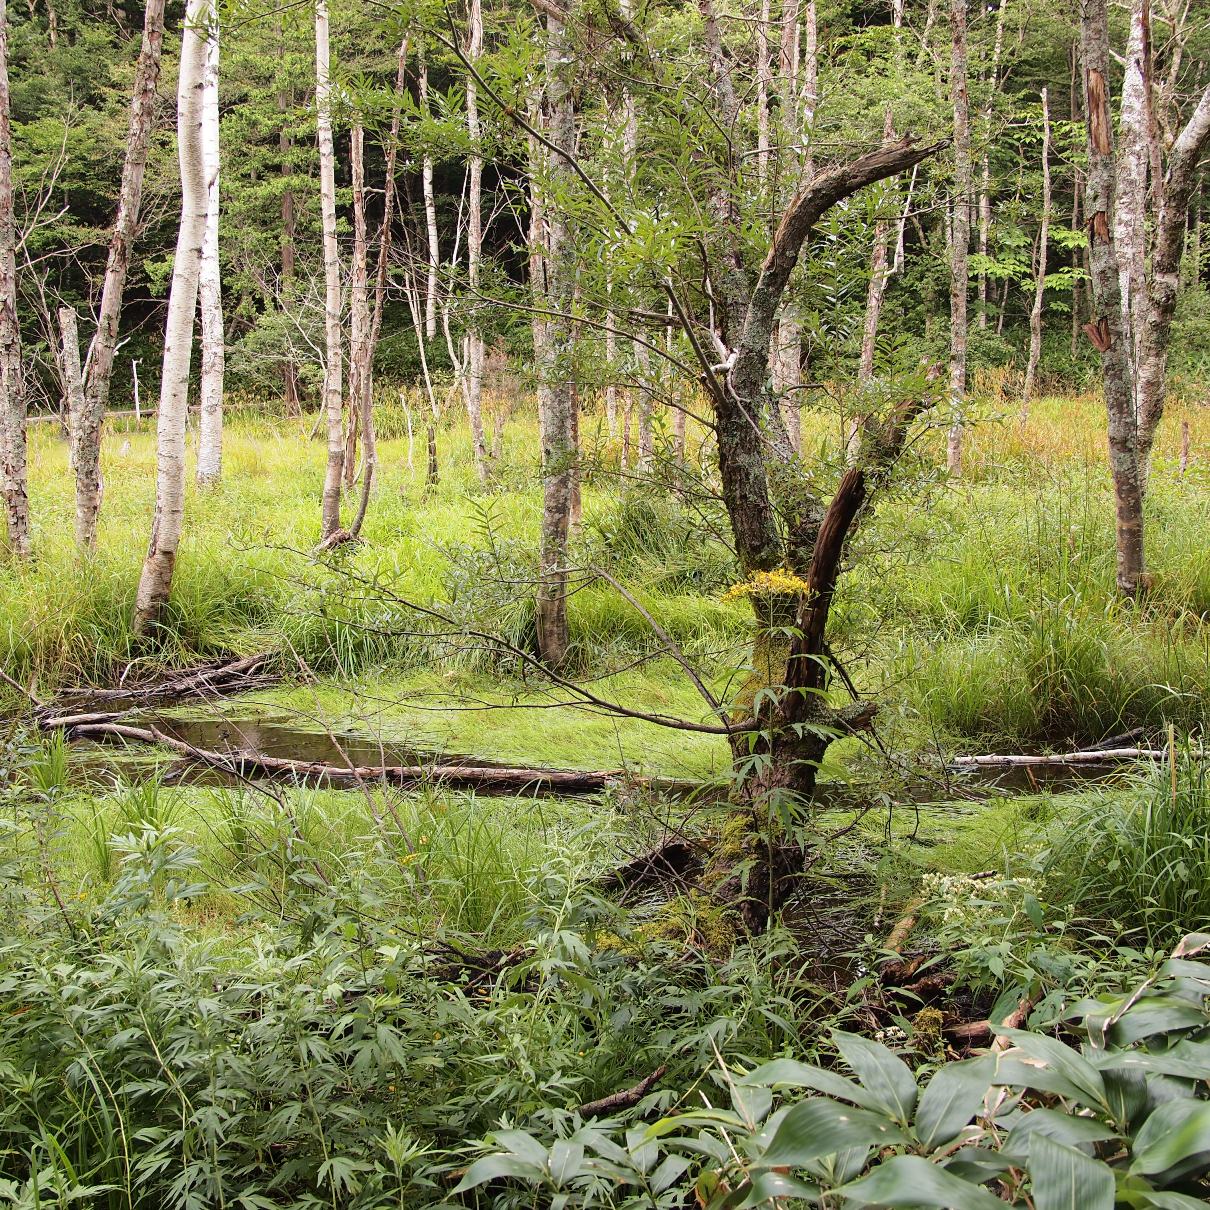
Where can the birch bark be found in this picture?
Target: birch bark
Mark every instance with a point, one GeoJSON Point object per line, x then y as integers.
{"type": "Point", "coordinates": [333, 349]}
{"type": "Point", "coordinates": [13, 469]}
{"type": "Point", "coordinates": [960, 229]}
{"type": "Point", "coordinates": [155, 584]}
{"type": "Point", "coordinates": [210, 286]}
{"type": "Point", "coordinates": [1035, 314]}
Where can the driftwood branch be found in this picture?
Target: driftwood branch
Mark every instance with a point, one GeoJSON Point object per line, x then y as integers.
{"type": "Point", "coordinates": [1090, 757]}
{"type": "Point", "coordinates": [244, 763]}
{"type": "Point", "coordinates": [627, 1098]}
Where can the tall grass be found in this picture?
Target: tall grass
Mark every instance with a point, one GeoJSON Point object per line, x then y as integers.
{"type": "Point", "coordinates": [1140, 856]}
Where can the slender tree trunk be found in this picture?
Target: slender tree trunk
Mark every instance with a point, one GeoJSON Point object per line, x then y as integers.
{"type": "Point", "coordinates": [289, 252]}
{"type": "Point", "coordinates": [985, 193]}
{"type": "Point", "coordinates": [1108, 331]}
{"type": "Point", "coordinates": [1130, 190]}
{"type": "Point", "coordinates": [85, 434]}
{"type": "Point", "coordinates": [365, 377]}
{"type": "Point", "coordinates": [360, 352]}
{"type": "Point", "coordinates": [13, 470]}
{"type": "Point", "coordinates": [155, 584]}
{"type": "Point", "coordinates": [1035, 314]}
{"type": "Point", "coordinates": [474, 250]}
{"type": "Point", "coordinates": [960, 229]}
{"type": "Point", "coordinates": [1164, 283]}
{"type": "Point", "coordinates": [879, 276]}
{"type": "Point", "coordinates": [210, 430]}
{"type": "Point", "coordinates": [557, 420]}
{"type": "Point", "coordinates": [125, 227]}
{"type": "Point", "coordinates": [430, 217]}
{"type": "Point", "coordinates": [333, 351]}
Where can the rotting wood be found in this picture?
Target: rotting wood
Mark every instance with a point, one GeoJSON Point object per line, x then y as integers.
{"type": "Point", "coordinates": [208, 679]}
{"type": "Point", "coordinates": [241, 762]}
{"type": "Point", "coordinates": [1090, 757]}
{"type": "Point", "coordinates": [627, 1098]}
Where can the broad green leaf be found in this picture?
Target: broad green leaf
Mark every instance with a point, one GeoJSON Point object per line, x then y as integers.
{"type": "Point", "coordinates": [766, 1186]}
{"type": "Point", "coordinates": [566, 1160]}
{"type": "Point", "coordinates": [952, 1098]}
{"type": "Point", "coordinates": [1174, 1132]}
{"type": "Point", "coordinates": [820, 1127]}
{"type": "Point", "coordinates": [881, 1072]}
{"type": "Point", "coordinates": [1156, 1015]}
{"type": "Point", "coordinates": [909, 1180]}
{"type": "Point", "coordinates": [1062, 1059]}
{"type": "Point", "coordinates": [1186, 1058]}
{"type": "Point", "coordinates": [1014, 1071]}
{"type": "Point", "coordinates": [493, 1167]}
{"type": "Point", "coordinates": [1067, 1128]}
{"type": "Point", "coordinates": [794, 1074]}
{"type": "Point", "coordinates": [521, 1144]}
{"type": "Point", "coordinates": [1063, 1178]}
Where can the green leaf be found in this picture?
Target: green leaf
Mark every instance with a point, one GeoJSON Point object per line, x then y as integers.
{"type": "Point", "coordinates": [821, 1127]}
{"type": "Point", "coordinates": [493, 1167]}
{"type": "Point", "coordinates": [1156, 1015]}
{"type": "Point", "coordinates": [1188, 1059]}
{"type": "Point", "coordinates": [1067, 1179]}
{"type": "Point", "coordinates": [1061, 1059]}
{"type": "Point", "coordinates": [1067, 1128]}
{"type": "Point", "coordinates": [881, 1072]}
{"type": "Point", "coordinates": [566, 1160]}
{"type": "Point", "coordinates": [766, 1186]}
{"type": "Point", "coordinates": [909, 1180]}
{"type": "Point", "coordinates": [794, 1074]}
{"type": "Point", "coordinates": [952, 1098]}
{"type": "Point", "coordinates": [1174, 1132]}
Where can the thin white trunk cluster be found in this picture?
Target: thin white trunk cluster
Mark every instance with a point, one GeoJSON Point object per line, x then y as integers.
{"type": "Point", "coordinates": [13, 470]}
{"type": "Point", "coordinates": [333, 395]}
{"type": "Point", "coordinates": [156, 582]}
{"type": "Point", "coordinates": [1137, 207]}
{"type": "Point", "coordinates": [1035, 313]}
{"type": "Point", "coordinates": [210, 428]}
{"type": "Point", "coordinates": [959, 229]}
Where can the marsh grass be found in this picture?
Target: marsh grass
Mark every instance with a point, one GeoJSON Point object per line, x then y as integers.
{"type": "Point", "coordinates": [1139, 857]}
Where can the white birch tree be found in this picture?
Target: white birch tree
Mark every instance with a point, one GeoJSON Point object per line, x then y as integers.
{"type": "Point", "coordinates": [210, 428]}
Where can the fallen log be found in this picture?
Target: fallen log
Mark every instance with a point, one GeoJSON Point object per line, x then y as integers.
{"type": "Point", "coordinates": [1091, 756]}
{"type": "Point", "coordinates": [240, 762]}
{"type": "Point", "coordinates": [212, 678]}
{"type": "Point", "coordinates": [627, 1098]}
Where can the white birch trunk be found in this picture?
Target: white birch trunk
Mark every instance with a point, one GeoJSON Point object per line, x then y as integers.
{"type": "Point", "coordinates": [1035, 314]}
{"type": "Point", "coordinates": [85, 433]}
{"type": "Point", "coordinates": [155, 584]}
{"type": "Point", "coordinates": [1130, 197]}
{"type": "Point", "coordinates": [557, 418]}
{"type": "Point", "coordinates": [430, 218]}
{"type": "Point", "coordinates": [333, 394]}
{"type": "Point", "coordinates": [13, 469]}
{"type": "Point", "coordinates": [360, 351]}
{"type": "Point", "coordinates": [210, 286]}
{"type": "Point", "coordinates": [960, 229]}
{"type": "Point", "coordinates": [474, 250]}
{"type": "Point", "coordinates": [126, 222]}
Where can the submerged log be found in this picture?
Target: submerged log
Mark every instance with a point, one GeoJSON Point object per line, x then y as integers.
{"type": "Point", "coordinates": [240, 762]}
{"type": "Point", "coordinates": [207, 679]}
{"type": "Point", "coordinates": [1090, 756]}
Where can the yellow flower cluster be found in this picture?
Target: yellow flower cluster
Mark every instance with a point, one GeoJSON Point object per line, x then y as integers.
{"type": "Point", "coordinates": [780, 582]}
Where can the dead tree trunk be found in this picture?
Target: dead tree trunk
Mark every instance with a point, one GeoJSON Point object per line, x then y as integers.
{"type": "Point", "coordinates": [959, 229]}
{"type": "Point", "coordinates": [1108, 331]}
{"type": "Point", "coordinates": [557, 420]}
{"type": "Point", "coordinates": [1164, 282]}
{"type": "Point", "coordinates": [85, 433]}
{"type": "Point", "coordinates": [474, 251]}
{"type": "Point", "coordinates": [1035, 314]}
{"type": "Point", "coordinates": [155, 584]}
{"type": "Point", "coordinates": [333, 351]}
{"type": "Point", "coordinates": [210, 289]}
{"type": "Point", "coordinates": [125, 227]}
{"type": "Point", "coordinates": [13, 471]}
